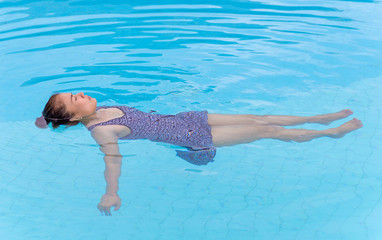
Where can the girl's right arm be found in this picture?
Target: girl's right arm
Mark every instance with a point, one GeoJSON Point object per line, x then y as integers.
{"type": "Point", "coordinates": [108, 141]}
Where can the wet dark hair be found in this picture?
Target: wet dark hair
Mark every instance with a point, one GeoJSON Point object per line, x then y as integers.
{"type": "Point", "coordinates": [55, 113]}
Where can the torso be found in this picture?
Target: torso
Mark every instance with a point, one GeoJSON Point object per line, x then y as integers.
{"type": "Point", "coordinates": [187, 129]}
{"type": "Point", "coordinates": [107, 114]}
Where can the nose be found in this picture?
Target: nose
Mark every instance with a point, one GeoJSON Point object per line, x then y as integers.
{"type": "Point", "coordinates": [81, 94]}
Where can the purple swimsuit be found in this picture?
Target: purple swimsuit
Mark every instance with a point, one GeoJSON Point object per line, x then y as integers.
{"type": "Point", "coordinates": [186, 129]}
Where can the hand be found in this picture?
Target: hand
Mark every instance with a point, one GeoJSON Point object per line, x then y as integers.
{"type": "Point", "coordinates": [107, 201]}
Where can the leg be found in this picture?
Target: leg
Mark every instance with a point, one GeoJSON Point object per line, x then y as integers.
{"type": "Point", "coordinates": [280, 120]}
{"type": "Point", "coordinates": [237, 134]}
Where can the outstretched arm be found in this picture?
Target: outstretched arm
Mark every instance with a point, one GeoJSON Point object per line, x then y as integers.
{"type": "Point", "coordinates": [108, 142]}
{"type": "Point", "coordinates": [113, 162]}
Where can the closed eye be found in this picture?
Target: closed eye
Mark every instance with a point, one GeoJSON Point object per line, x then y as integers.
{"type": "Point", "coordinates": [73, 96]}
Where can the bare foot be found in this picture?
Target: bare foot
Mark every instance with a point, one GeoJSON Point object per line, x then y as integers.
{"type": "Point", "coordinates": [347, 127]}
{"type": "Point", "coordinates": [328, 118]}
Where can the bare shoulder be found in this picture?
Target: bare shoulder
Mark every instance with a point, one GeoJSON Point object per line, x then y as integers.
{"type": "Point", "coordinates": [107, 138]}
{"type": "Point", "coordinates": [104, 134]}
{"type": "Point", "coordinates": [109, 133]}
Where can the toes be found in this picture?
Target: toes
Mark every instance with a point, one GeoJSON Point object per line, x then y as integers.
{"type": "Point", "coordinates": [347, 111]}
{"type": "Point", "coordinates": [357, 122]}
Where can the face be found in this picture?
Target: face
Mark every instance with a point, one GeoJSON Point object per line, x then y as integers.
{"type": "Point", "coordinates": [81, 105]}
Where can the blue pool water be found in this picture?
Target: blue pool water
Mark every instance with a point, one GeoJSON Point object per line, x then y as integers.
{"type": "Point", "coordinates": [231, 56]}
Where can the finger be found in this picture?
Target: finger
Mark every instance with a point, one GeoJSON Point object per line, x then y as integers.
{"type": "Point", "coordinates": [108, 211]}
{"type": "Point", "coordinates": [99, 208]}
{"type": "Point", "coordinates": [105, 211]}
{"type": "Point", "coordinates": [117, 206]}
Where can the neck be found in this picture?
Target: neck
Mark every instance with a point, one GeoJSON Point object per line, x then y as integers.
{"type": "Point", "coordinates": [86, 119]}
{"type": "Point", "coordinates": [101, 116]}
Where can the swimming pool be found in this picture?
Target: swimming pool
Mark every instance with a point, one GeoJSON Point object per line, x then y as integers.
{"type": "Point", "coordinates": [268, 57]}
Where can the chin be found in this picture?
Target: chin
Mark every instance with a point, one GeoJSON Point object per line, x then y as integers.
{"type": "Point", "coordinates": [94, 101]}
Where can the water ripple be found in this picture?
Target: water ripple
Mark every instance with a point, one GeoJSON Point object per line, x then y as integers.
{"type": "Point", "coordinates": [129, 47]}
{"type": "Point", "coordinates": [231, 56]}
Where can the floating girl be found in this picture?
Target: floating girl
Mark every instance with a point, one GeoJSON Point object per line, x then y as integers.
{"type": "Point", "coordinates": [199, 131]}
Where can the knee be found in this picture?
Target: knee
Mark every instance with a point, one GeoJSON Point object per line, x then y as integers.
{"type": "Point", "coordinates": [269, 131]}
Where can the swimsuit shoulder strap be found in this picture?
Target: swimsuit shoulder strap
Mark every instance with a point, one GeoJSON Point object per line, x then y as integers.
{"type": "Point", "coordinates": [114, 121]}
